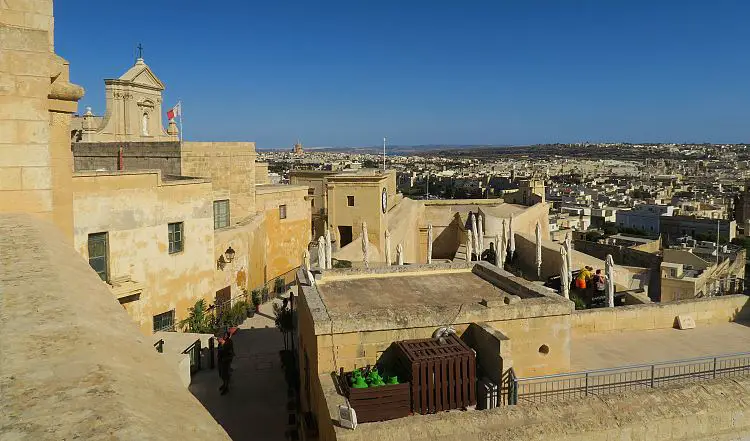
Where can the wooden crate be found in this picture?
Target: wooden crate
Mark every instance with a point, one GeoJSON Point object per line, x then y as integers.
{"type": "Point", "coordinates": [442, 374]}
{"type": "Point", "coordinates": [377, 403]}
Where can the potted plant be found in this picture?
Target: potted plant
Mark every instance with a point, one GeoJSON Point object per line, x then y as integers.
{"type": "Point", "coordinates": [278, 285]}
{"type": "Point", "coordinates": [257, 299]}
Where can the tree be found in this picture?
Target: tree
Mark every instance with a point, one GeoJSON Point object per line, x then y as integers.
{"type": "Point", "coordinates": [199, 320]}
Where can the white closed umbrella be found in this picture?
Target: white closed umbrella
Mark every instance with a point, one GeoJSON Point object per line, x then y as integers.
{"type": "Point", "coordinates": [502, 248]}
{"type": "Point", "coordinates": [400, 254]}
{"type": "Point", "coordinates": [469, 245]}
{"type": "Point", "coordinates": [329, 249]}
{"type": "Point", "coordinates": [306, 260]}
{"type": "Point", "coordinates": [565, 279]}
{"type": "Point", "coordinates": [609, 270]}
{"type": "Point", "coordinates": [388, 248]}
{"type": "Point", "coordinates": [365, 246]}
{"type": "Point", "coordinates": [429, 243]}
{"type": "Point", "coordinates": [475, 235]}
{"type": "Point", "coordinates": [538, 234]}
{"type": "Point", "coordinates": [497, 250]}
{"type": "Point", "coordinates": [569, 256]}
{"type": "Point", "coordinates": [511, 238]}
{"type": "Point", "coordinates": [480, 232]}
{"type": "Point", "coordinates": [321, 253]}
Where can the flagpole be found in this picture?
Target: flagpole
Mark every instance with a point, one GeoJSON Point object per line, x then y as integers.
{"type": "Point", "coordinates": [179, 103]}
{"type": "Point", "coordinates": [383, 155]}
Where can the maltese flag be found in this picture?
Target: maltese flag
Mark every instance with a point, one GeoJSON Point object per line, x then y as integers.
{"type": "Point", "coordinates": [174, 111]}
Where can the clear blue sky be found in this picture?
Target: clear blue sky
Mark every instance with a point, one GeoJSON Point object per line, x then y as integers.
{"type": "Point", "coordinates": [428, 71]}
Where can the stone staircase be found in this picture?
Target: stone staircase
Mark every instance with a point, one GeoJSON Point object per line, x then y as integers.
{"type": "Point", "coordinates": [460, 253]}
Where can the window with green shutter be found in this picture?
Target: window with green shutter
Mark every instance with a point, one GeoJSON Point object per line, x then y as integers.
{"type": "Point", "coordinates": [175, 237]}
{"type": "Point", "coordinates": [98, 254]}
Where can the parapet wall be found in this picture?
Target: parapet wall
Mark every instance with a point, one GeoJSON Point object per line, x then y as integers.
{"type": "Point", "coordinates": [73, 364]}
{"type": "Point", "coordinates": [714, 410]}
{"type": "Point", "coordinates": [704, 311]}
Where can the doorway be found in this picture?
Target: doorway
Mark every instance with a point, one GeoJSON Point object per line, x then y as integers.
{"type": "Point", "coordinates": [345, 233]}
{"type": "Point", "coordinates": [223, 296]}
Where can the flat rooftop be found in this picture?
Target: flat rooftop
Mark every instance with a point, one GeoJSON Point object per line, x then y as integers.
{"type": "Point", "coordinates": [397, 290]}
{"type": "Point", "coordinates": [616, 349]}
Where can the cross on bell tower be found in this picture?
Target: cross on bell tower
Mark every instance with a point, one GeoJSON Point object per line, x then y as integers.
{"type": "Point", "coordinates": [140, 51]}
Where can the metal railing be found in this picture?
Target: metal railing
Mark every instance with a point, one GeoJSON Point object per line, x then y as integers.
{"type": "Point", "coordinates": [159, 346]}
{"type": "Point", "coordinates": [546, 388]}
{"type": "Point", "coordinates": [194, 351]}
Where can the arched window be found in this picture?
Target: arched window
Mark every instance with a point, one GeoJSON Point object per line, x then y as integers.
{"type": "Point", "coordinates": [144, 125]}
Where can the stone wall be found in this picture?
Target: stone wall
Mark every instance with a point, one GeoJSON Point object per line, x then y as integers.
{"type": "Point", "coordinates": [76, 366]}
{"type": "Point", "coordinates": [164, 156]}
{"type": "Point", "coordinates": [36, 101]}
{"type": "Point", "coordinates": [230, 166]}
{"type": "Point", "coordinates": [704, 311]}
{"type": "Point", "coordinates": [134, 209]}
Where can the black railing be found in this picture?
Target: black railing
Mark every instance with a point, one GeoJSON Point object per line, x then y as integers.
{"type": "Point", "coordinates": [546, 388]}
{"type": "Point", "coordinates": [194, 350]}
{"type": "Point", "coordinates": [159, 345]}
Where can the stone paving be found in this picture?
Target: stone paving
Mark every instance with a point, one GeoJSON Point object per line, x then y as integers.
{"type": "Point", "coordinates": [612, 349]}
{"type": "Point", "coordinates": [256, 406]}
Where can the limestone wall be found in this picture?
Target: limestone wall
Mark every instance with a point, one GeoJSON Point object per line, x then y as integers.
{"type": "Point", "coordinates": [36, 101]}
{"type": "Point", "coordinates": [76, 366]}
{"type": "Point", "coordinates": [704, 311]}
{"type": "Point", "coordinates": [286, 239]}
{"type": "Point", "coordinates": [230, 166]}
{"type": "Point", "coordinates": [135, 208]}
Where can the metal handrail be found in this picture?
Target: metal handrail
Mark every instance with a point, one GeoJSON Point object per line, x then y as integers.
{"type": "Point", "coordinates": [544, 388]}
{"type": "Point", "coordinates": [635, 366]}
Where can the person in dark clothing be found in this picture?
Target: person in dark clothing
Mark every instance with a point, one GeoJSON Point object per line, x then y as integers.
{"type": "Point", "coordinates": [225, 357]}
{"type": "Point", "coordinates": [600, 285]}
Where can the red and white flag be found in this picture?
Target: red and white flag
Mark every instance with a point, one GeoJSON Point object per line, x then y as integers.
{"type": "Point", "coordinates": [174, 112]}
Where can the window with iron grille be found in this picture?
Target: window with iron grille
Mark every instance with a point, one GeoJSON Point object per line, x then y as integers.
{"type": "Point", "coordinates": [221, 214]}
{"type": "Point", "coordinates": [175, 237]}
{"type": "Point", "coordinates": [282, 211]}
{"type": "Point", "coordinates": [164, 321]}
{"type": "Point", "coordinates": [98, 254]}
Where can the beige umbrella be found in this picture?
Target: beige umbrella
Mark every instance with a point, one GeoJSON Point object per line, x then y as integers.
{"type": "Point", "coordinates": [388, 248]}
{"type": "Point", "coordinates": [365, 246]}
{"type": "Point", "coordinates": [399, 254]}
{"type": "Point", "coordinates": [569, 256]}
{"type": "Point", "coordinates": [429, 243]}
{"type": "Point", "coordinates": [321, 253]}
{"type": "Point", "coordinates": [564, 276]}
{"type": "Point", "coordinates": [497, 250]}
{"type": "Point", "coordinates": [609, 270]}
{"type": "Point", "coordinates": [502, 249]}
{"type": "Point", "coordinates": [306, 260]}
{"type": "Point", "coordinates": [480, 233]}
{"type": "Point", "coordinates": [469, 246]}
{"type": "Point", "coordinates": [329, 257]}
{"type": "Point", "coordinates": [475, 235]}
{"type": "Point", "coordinates": [538, 234]}
{"type": "Point", "coordinates": [511, 238]}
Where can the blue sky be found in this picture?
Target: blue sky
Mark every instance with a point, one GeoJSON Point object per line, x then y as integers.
{"type": "Point", "coordinates": [347, 73]}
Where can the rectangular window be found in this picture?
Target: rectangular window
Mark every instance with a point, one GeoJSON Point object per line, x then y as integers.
{"type": "Point", "coordinates": [221, 214]}
{"type": "Point", "coordinates": [98, 254]}
{"type": "Point", "coordinates": [350, 201]}
{"type": "Point", "coordinates": [282, 211]}
{"type": "Point", "coordinates": [164, 321]}
{"type": "Point", "coordinates": [175, 237]}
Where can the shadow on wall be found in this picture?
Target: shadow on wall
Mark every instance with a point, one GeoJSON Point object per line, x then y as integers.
{"type": "Point", "coordinates": [446, 243]}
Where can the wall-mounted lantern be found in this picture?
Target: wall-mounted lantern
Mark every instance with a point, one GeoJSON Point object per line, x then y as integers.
{"type": "Point", "coordinates": [229, 254]}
